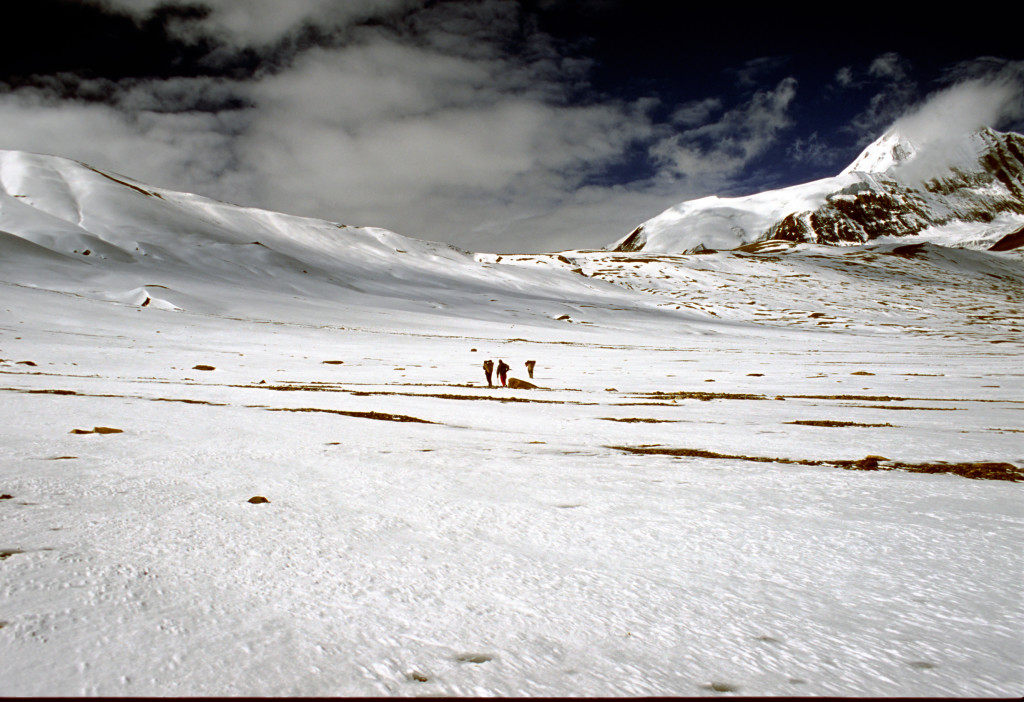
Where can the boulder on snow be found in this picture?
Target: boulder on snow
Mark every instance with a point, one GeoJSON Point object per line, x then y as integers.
{"type": "Point", "coordinates": [203, 367]}
{"type": "Point", "coordinates": [518, 384]}
{"type": "Point", "coordinates": [258, 500]}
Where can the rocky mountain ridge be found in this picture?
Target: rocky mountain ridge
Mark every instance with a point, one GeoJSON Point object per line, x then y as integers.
{"type": "Point", "coordinates": [972, 196]}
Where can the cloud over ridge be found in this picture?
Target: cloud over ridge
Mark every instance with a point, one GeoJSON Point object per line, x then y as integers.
{"type": "Point", "coordinates": [457, 121]}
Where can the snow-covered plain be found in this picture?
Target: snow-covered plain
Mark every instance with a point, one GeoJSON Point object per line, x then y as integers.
{"type": "Point", "coordinates": [510, 543]}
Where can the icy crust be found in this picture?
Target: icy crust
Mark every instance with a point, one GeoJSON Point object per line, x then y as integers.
{"type": "Point", "coordinates": [894, 188]}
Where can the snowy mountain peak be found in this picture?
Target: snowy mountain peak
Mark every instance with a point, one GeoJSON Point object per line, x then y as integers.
{"type": "Point", "coordinates": [891, 149]}
{"type": "Point", "coordinates": [966, 192]}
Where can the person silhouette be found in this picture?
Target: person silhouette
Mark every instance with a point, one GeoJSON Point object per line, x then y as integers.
{"type": "Point", "coordinates": [488, 369]}
{"type": "Point", "coordinates": [502, 371]}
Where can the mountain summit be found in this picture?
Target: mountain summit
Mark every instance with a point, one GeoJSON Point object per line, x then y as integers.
{"type": "Point", "coordinates": [969, 194]}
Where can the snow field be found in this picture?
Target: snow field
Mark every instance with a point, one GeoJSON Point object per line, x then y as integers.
{"type": "Point", "coordinates": [504, 550]}
{"type": "Point", "coordinates": [493, 547]}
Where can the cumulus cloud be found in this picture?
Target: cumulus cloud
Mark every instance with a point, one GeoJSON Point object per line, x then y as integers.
{"type": "Point", "coordinates": [425, 125]}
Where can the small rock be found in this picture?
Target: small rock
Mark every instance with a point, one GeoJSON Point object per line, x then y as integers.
{"type": "Point", "coordinates": [203, 368]}
{"type": "Point", "coordinates": [720, 687]}
{"type": "Point", "coordinates": [258, 500]}
{"type": "Point", "coordinates": [474, 657]}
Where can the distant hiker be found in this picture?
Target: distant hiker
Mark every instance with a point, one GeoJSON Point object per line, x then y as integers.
{"type": "Point", "coordinates": [488, 369]}
{"type": "Point", "coordinates": [502, 371]}
{"type": "Point", "coordinates": [529, 367]}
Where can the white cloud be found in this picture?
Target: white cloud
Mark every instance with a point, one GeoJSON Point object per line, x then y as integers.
{"type": "Point", "coordinates": [719, 149]}
{"type": "Point", "coordinates": [697, 112]}
{"type": "Point", "coordinates": [430, 126]}
{"type": "Point", "coordinates": [257, 23]}
{"type": "Point", "coordinates": [895, 92]}
{"type": "Point", "coordinates": [938, 125]}
{"type": "Point", "coordinates": [889, 66]}
{"type": "Point", "coordinates": [962, 108]}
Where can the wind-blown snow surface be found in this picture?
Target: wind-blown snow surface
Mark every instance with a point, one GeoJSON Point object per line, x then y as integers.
{"type": "Point", "coordinates": [506, 547]}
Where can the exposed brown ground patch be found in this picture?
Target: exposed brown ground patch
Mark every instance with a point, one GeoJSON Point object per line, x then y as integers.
{"type": "Point", "coordinates": [908, 407]}
{"type": "Point", "coordinates": [190, 402]}
{"type": "Point", "coordinates": [383, 416]}
{"type": "Point", "coordinates": [980, 470]}
{"type": "Point", "coordinates": [831, 423]}
{"type": "Point", "coordinates": [704, 396]}
{"type": "Point", "coordinates": [639, 420]}
{"type": "Point", "coordinates": [450, 396]}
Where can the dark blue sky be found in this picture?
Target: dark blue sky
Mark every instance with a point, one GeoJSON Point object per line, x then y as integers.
{"type": "Point", "coordinates": [496, 125]}
{"type": "Point", "coordinates": [679, 52]}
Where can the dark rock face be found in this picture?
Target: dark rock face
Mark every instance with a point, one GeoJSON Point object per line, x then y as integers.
{"type": "Point", "coordinates": [1011, 241]}
{"type": "Point", "coordinates": [634, 242]}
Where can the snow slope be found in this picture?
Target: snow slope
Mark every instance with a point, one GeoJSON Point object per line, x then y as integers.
{"type": "Point", "coordinates": [967, 194]}
{"type": "Point", "coordinates": [428, 535]}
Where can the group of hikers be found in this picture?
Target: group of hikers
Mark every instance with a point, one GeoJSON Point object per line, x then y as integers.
{"type": "Point", "coordinates": [503, 369]}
